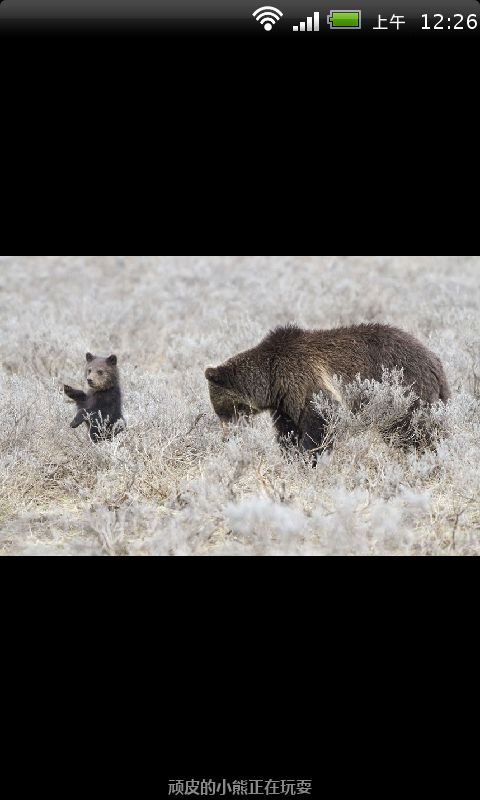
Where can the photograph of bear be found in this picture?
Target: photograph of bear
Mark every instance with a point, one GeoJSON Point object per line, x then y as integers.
{"type": "Point", "coordinates": [101, 407]}
{"type": "Point", "coordinates": [283, 373]}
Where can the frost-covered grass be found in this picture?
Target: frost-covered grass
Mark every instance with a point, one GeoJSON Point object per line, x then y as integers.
{"type": "Point", "coordinates": [170, 484]}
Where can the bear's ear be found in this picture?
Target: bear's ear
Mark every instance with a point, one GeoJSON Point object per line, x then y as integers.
{"type": "Point", "coordinates": [210, 374]}
{"type": "Point", "coordinates": [112, 360]}
{"type": "Point", "coordinates": [89, 357]}
{"type": "Point", "coordinates": [216, 375]}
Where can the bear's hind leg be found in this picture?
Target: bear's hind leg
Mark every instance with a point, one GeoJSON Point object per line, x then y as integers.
{"type": "Point", "coordinates": [413, 430]}
{"type": "Point", "coordinates": [78, 420]}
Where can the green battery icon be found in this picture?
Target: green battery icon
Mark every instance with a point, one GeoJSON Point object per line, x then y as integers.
{"type": "Point", "coordinates": [345, 19]}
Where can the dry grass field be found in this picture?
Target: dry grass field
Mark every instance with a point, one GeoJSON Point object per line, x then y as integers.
{"type": "Point", "coordinates": [170, 485]}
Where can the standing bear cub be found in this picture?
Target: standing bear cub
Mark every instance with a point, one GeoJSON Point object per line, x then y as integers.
{"type": "Point", "coordinates": [101, 408]}
{"type": "Point", "coordinates": [284, 372]}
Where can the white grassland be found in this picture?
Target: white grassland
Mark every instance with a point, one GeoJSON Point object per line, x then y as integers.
{"type": "Point", "coordinates": [170, 485]}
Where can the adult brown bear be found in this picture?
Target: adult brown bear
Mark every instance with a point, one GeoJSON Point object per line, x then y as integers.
{"type": "Point", "coordinates": [284, 372]}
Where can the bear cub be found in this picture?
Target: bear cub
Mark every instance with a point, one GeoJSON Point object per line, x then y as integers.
{"type": "Point", "coordinates": [101, 407]}
{"type": "Point", "coordinates": [290, 366]}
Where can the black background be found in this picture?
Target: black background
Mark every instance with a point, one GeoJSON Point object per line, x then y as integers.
{"type": "Point", "coordinates": [132, 138]}
{"type": "Point", "coordinates": [354, 672]}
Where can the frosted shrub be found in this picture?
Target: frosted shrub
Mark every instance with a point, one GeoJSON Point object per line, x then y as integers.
{"type": "Point", "coordinates": [265, 525]}
{"type": "Point", "coordinates": [389, 407]}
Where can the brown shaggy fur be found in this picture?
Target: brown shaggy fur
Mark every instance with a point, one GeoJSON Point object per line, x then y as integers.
{"type": "Point", "coordinates": [290, 366]}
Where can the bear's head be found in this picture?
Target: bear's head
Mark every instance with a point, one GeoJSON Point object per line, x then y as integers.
{"type": "Point", "coordinates": [230, 399]}
{"type": "Point", "coordinates": [101, 373]}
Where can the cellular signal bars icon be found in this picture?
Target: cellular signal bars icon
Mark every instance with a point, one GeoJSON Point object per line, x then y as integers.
{"type": "Point", "coordinates": [316, 23]}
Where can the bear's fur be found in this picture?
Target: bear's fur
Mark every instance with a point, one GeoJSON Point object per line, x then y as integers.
{"type": "Point", "coordinates": [101, 407]}
{"type": "Point", "coordinates": [283, 373]}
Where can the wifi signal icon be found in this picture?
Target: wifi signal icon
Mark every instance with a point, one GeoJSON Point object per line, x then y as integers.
{"type": "Point", "coordinates": [267, 16]}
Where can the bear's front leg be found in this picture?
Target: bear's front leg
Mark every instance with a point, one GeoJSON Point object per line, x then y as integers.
{"type": "Point", "coordinates": [314, 431]}
{"type": "Point", "coordinates": [75, 394]}
{"type": "Point", "coordinates": [288, 434]}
